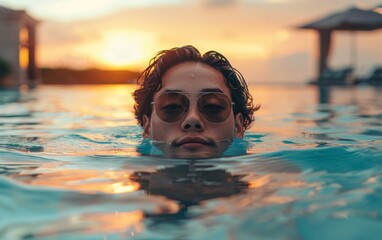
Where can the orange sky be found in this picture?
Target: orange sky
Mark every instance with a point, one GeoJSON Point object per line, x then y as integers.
{"type": "Point", "coordinates": [257, 36]}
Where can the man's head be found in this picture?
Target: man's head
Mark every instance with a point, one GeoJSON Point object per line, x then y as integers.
{"type": "Point", "coordinates": [192, 103]}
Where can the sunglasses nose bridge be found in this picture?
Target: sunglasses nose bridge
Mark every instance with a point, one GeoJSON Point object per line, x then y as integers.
{"type": "Point", "coordinates": [193, 118]}
{"type": "Point", "coordinates": [193, 111]}
{"type": "Point", "coordinates": [192, 104]}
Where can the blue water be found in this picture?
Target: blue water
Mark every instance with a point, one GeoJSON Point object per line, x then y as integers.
{"type": "Point", "coordinates": [71, 167]}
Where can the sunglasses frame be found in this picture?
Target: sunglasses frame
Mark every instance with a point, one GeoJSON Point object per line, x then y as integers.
{"type": "Point", "coordinates": [197, 99]}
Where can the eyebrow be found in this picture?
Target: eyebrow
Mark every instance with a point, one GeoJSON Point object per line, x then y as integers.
{"type": "Point", "coordinates": [203, 90]}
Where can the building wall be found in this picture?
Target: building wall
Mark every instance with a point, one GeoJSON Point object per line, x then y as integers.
{"type": "Point", "coordinates": [11, 23]}
{"type": "Point", "coordinates": [9, 46]}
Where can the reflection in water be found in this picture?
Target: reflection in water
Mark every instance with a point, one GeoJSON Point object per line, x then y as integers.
{"type": "Point", "coordinates": [111, 202]}
{"type": "Point", "coordinates": [236, 147]}
{"type": "Point", "coordinates": [8, 96]}
{"type": "Point", "coordinates": [323, 94]}
{"type": "Point", "coordinates": [85, 181]}
{"type": "Point", "coordinates": [126, 224]}
{"type": "Point", "coordinates": [189, 185]}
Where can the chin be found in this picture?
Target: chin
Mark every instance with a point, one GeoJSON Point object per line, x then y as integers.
{"type": "Point", "coordinates": [193, 151]}
{"type": "Point", "coordinates": [198, 153]}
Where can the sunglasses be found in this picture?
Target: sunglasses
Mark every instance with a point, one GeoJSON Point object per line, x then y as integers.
{"type": "Point", "coordinates": [215, 107]}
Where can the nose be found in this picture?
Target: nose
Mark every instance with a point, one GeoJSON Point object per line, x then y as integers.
{"type": "Point", "coordinates": [193, 121]}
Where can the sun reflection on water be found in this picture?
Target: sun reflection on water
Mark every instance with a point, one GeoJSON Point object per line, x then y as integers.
{"type": "Point", "coordinates": [124, 224]}
{"type": "Point", "coordinates": [84, 181]}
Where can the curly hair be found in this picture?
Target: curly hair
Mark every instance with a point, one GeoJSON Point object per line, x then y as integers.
{"type": "Point", "coordinates": [150, 80]}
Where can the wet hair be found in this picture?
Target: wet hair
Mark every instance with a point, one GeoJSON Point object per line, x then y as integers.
{"type": "Point", "coordinates": [150, 80]}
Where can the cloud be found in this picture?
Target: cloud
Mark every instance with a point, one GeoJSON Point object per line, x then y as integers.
{"type": "Point", "coordinates": [219, 3]}
{"type": "Point", "coordinates": [257, 38]}
{"type": "Point", "coordinates": [294, 67]}
{"type": "Point", "coordinates": [57, 33]}
{"type": "Point", "coordinates": [73, 10]}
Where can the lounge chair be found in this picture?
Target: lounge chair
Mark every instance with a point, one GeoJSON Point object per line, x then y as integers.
{"type": "Point", "coordinates": [336, 77]}
{"type": "Point", "coordinates": [375, 78]}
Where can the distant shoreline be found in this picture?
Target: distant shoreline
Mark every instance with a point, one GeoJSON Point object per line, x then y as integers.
{"type": "Point", "coordinates": [88, 76]}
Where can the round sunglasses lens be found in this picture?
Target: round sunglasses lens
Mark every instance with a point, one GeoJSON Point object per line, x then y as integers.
{"type": "Point", "coordinates": [215, 107]}
{"type": "Point", "coordinates": [170, 107]}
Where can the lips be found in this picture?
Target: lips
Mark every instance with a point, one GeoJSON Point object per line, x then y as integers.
{"type": "Point", "coordinates": [194, 142]}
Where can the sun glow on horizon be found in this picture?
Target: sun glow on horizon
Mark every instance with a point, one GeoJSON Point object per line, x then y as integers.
{"type": "Point", "coordinates": [121, 49]}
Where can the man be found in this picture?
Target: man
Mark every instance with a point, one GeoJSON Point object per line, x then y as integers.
{"type": "Point", "coordinates": [192, 105]}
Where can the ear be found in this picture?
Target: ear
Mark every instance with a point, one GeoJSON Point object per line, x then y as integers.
{"type": "Point", "coordinates": [146, 126]}
{"type": "Point", "coordinates": [239, 126]}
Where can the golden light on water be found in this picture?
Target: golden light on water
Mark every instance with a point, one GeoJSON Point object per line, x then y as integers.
{"type": "Point", "coordinates": [260, 182]}
{"type": "Point", "coordinates": [86, 181]}
{"type": "Point", "coordinates": [130, 222]}
{"type": "Point", "coordinates": [121, 187]}
{"type": "Point", "coordinates": [126, 224]}
{"type": "Point", "coordinates": [278, 199]}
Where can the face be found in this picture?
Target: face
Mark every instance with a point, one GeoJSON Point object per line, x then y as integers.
{"type": "Point", "coordinates": [195, 133]}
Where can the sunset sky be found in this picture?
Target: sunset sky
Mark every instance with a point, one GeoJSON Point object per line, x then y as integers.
{"type": "Point", "coordinates": [258, 36]}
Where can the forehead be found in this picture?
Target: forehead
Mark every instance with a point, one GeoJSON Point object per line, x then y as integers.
{"type": "Point", "coordinates": [193, 77]}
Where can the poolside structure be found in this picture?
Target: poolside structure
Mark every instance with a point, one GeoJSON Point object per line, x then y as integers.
{"type": "Point", "coordinates": [18, 48]}
{"type": "Point", "coordinates": [352, 19]}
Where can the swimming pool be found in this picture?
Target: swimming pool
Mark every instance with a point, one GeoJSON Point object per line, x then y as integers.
{"type": "Point", "coordinates": [71, 167]}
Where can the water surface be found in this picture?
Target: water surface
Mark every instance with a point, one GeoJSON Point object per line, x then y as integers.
{"type": "Point", "coordinates": [71, 167]}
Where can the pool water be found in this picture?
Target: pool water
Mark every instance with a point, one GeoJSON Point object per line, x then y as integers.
{"type": "Point", "coordinates": [73, 166]}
